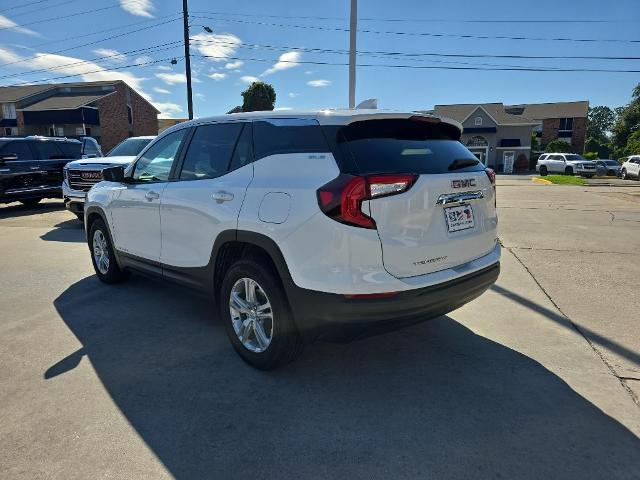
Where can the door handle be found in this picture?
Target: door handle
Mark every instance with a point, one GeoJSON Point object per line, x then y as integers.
{"type": "Point", "coordinates": [222, 196]}
{"type": "Point", "coordinates": [151, 195]}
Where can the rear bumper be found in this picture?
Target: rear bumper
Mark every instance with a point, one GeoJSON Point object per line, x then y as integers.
{"type": "Point", "coordinates": [321, 314]}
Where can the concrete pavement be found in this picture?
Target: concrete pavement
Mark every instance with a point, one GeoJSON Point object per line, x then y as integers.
{"type": "Point", "coordinates": [138, 380]}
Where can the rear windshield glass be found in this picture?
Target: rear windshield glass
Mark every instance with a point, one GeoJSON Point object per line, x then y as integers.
{"type": "Point", "coordinates": [71, 150]}
{"type": "Point", "coordinates": [129, 148]}
{"type": "Point", "coordinates": [403, 146]}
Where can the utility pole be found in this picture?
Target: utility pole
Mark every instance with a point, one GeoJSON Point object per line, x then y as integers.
{"type": "Point", "coordinates": [352, 53]}
{"type": "Point", "coordinates": [187, 57]}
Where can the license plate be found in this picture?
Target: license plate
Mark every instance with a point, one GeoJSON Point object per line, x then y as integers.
{"type": "Point", "coordinates": [459, 218]}
{"type": "Point", "coordinates": [91, 175]}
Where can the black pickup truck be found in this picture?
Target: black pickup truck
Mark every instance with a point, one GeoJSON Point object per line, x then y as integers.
{"type": "Point", "coordinates": [31, 167]}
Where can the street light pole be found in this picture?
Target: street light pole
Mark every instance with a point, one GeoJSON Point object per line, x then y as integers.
{"type": "Point", "coordinates": [187, 57]}
{"type": "Point", "coordinates": [352, 53]}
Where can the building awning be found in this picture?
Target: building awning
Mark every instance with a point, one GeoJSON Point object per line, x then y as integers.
{"type": "Point", "coordinates": [510, 142]}
{"type": "Point", "coordinates": [63, 102]}
{"type": "Point", "coordinates": [8, 122]}
{"type": "Point", "coordinates": [86, 115]}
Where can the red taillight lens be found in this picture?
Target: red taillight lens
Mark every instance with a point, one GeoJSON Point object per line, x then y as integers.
{"type": "Point", "coordinates": [341, 199]}
{"type": "Point", "coordinates": [491, 174]}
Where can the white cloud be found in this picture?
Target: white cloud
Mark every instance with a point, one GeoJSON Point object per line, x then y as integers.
{"type": "Point", "coordinates": [319, 83]}
{"type": "Point", "coordinates": [164, 68]}
{"type": "Point", "coordinates": [167, 109]}
{"type": "Point", "coordinates": [218, 76]}
{"type": "Point", "coordinates": [144, 59]}
{"type": "Point", "coordinates": [285, 61]}
{"type": "Point", "coordinates": [8, 24]}
{"type": "Point", "coordinates": [199, 95]}
{"type": "Point", "coordinates": [141, 8]}
{"type": "Point", "coordinates": [172, 78]}
{"type": "Point", "coordinates": [234, 65]}
{"type": "Point", "coordinates": [161, 90]}
{"type": "Point", "coordinates": [283, 108]}
{"type": "Point", "coordinates": [293, 95]}
{"type": "Point", "coordinates": [115, 56]}
{"type": "Point", "coordinates": [249, 79]}
{"type": "Point", "coordinates": [217, 47]}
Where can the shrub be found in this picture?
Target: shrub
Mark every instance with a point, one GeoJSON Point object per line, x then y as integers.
{"type": "Point", "coordinates": [559, 146]}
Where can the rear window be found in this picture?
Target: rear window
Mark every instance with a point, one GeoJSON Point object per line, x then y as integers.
{"type": "Point", "coordinates": [403, 146]}
{"type": "Point", "coordinates": [287, 135]}
{"type": "Point", "coordinates": [71, 150]}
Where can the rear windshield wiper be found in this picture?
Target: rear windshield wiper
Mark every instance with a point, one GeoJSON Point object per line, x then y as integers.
{"type": "Point", "coordinates": [462, 163]}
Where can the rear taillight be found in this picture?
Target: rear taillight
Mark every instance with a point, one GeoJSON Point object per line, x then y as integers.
{"type": "Point", "coordinates": [341, 198]}
{"type": "Point", "coordinates": [491, 174]}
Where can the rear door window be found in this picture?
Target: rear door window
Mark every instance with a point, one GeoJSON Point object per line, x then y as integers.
{"type": "Point", "coordinates": [71, 150]}
{"type": "Point", "coordinates": [404, 146]}
{"type": "Point", "coordinates": [287, 135]}
{"type": "Point", "coordinates": [210, 150]}
{"type": "Point", "coordinates": [21, 149]}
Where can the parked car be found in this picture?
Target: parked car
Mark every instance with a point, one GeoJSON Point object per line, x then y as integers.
{"type": "Point", "coordinates": [304, 225]}
{"type": "Point", "coordinates": [567, 163]}
{"type": "Point", "coordinates": [608, 167]}
{"type": "Point", "coordinates": [81, 175]}
{"type": "Point", "coordinates": [31, 167]}
{"type": "Point", "coordinates": [631, 167]}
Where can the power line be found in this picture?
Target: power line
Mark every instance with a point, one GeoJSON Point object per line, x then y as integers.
{"type": "Point", "coordinates": [90, 43]}
{"type": "Point", "coordinates": [41, 9]}
{"type": "Point", "coordinates": [415, 20]}
{"type": "Point", "coordinates": [69, 15]}
{"type": "Point", "coordinates": [153, 49]}
{"type": "Point", "coordinates": [102, 70]}
{"type": "Point", "coordinates": [23, 5]}
{"type": "Point", "coordinates": [407, 54]}
{"type": "Point", "coordinates": [421, 34]}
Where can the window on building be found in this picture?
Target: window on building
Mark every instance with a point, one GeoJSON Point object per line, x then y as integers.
{"type": "Point", "coordinates": [566, 124]}
{"type": "Point", "coordinates": [9, 110]}
{"type": "Point", "coordinates": [79, 131]}
{"type": "Point", "coordinates": [478, 121]}
{"type": "Point", "coordinates": [7, 131]}
{"type": "Point", "coordinates": [129, 115]}
{"type": "Point", "coordinates": [59, 131]}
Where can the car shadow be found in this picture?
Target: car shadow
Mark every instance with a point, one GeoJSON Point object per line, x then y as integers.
{"type": "Point", "coordinates": [15, 210]}
{"type": "Point", "coordinates": [67, 231]}
{"type": "Point", "coordinates": [431, 401]}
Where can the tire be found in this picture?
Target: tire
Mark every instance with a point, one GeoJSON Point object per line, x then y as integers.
{"type": "Point", "coordinates": [99, 245]}
{"type": "Point", "coordinates": [268, 342]}
{"type": "Point", "coordinates": [30, 202]}
{"type": "Point", "coordinates": [568, 171]}
{"type": "Point", "coordinates": [623, 175]}
{"type": "Point", "coordinates": [543, 171]}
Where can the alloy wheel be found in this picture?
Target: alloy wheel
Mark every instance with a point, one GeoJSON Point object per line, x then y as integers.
{"type": "Point", "coordinates": [251, 315]}
{"type": "Point", "coordinates": [100, 252]}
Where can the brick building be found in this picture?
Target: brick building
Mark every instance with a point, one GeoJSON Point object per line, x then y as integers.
{"type": "Point", "coordinates": [561, 120]}
{"type": "Point", "coordinates": [108, 111]}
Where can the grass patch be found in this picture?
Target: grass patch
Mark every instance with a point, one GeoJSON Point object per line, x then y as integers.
{"type": "Point", "coordinates": [565, 180]}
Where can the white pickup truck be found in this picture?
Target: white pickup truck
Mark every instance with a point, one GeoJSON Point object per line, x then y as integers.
{"type": "Point", "coordinates": [567, 163]}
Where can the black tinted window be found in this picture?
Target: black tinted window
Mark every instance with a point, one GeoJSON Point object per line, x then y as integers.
{"type": "Point", "coordinates": [21, 149]}
{"type": "Point", "coordinates": [286, 135]}
{"type": "Point", "coordinates": [243, 154]}
{"type": "Point", "coordinates": [404, 146]}
{"type": "Point", "coordinates": [48, 151]}
{"type": "Point", "coordinates": [90, 148]}
{"type": "Point", "coordinates": [210, 151]}
{"type": "Point", "coordinates": [71, 150]}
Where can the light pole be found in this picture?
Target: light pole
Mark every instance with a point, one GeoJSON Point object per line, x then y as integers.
{"type": "Point", "coordinates": [352, 53]}
{"type": "Point", "coordinates": [187, 57]}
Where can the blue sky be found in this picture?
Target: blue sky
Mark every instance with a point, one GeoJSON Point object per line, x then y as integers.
{"type": "Point", "coordinates": [244, 32]}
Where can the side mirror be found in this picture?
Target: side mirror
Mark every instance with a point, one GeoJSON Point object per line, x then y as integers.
{"type": "Point", "coordinates": [113, 174]}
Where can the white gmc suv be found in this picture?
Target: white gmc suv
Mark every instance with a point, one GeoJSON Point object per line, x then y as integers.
{"type": "Point", "coordinates": [302, 226]}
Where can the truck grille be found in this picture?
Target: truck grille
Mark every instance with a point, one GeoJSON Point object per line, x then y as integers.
{"type": "Point", "coordinates": [84, 179]}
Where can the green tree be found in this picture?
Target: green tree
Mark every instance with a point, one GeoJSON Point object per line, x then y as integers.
{"type": "Point", "coordinates": [603, 149]}
{"type": "Point", "coordinates": [559, 146]}
{"type": "Point", "coordinates": [599, 122]}
{"type": "Point", "coordinates": [633, 144]}
{"type": "Point", "coordinates": [628, 122]}
{"type": "Point", "coordinates": [258, 96]}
